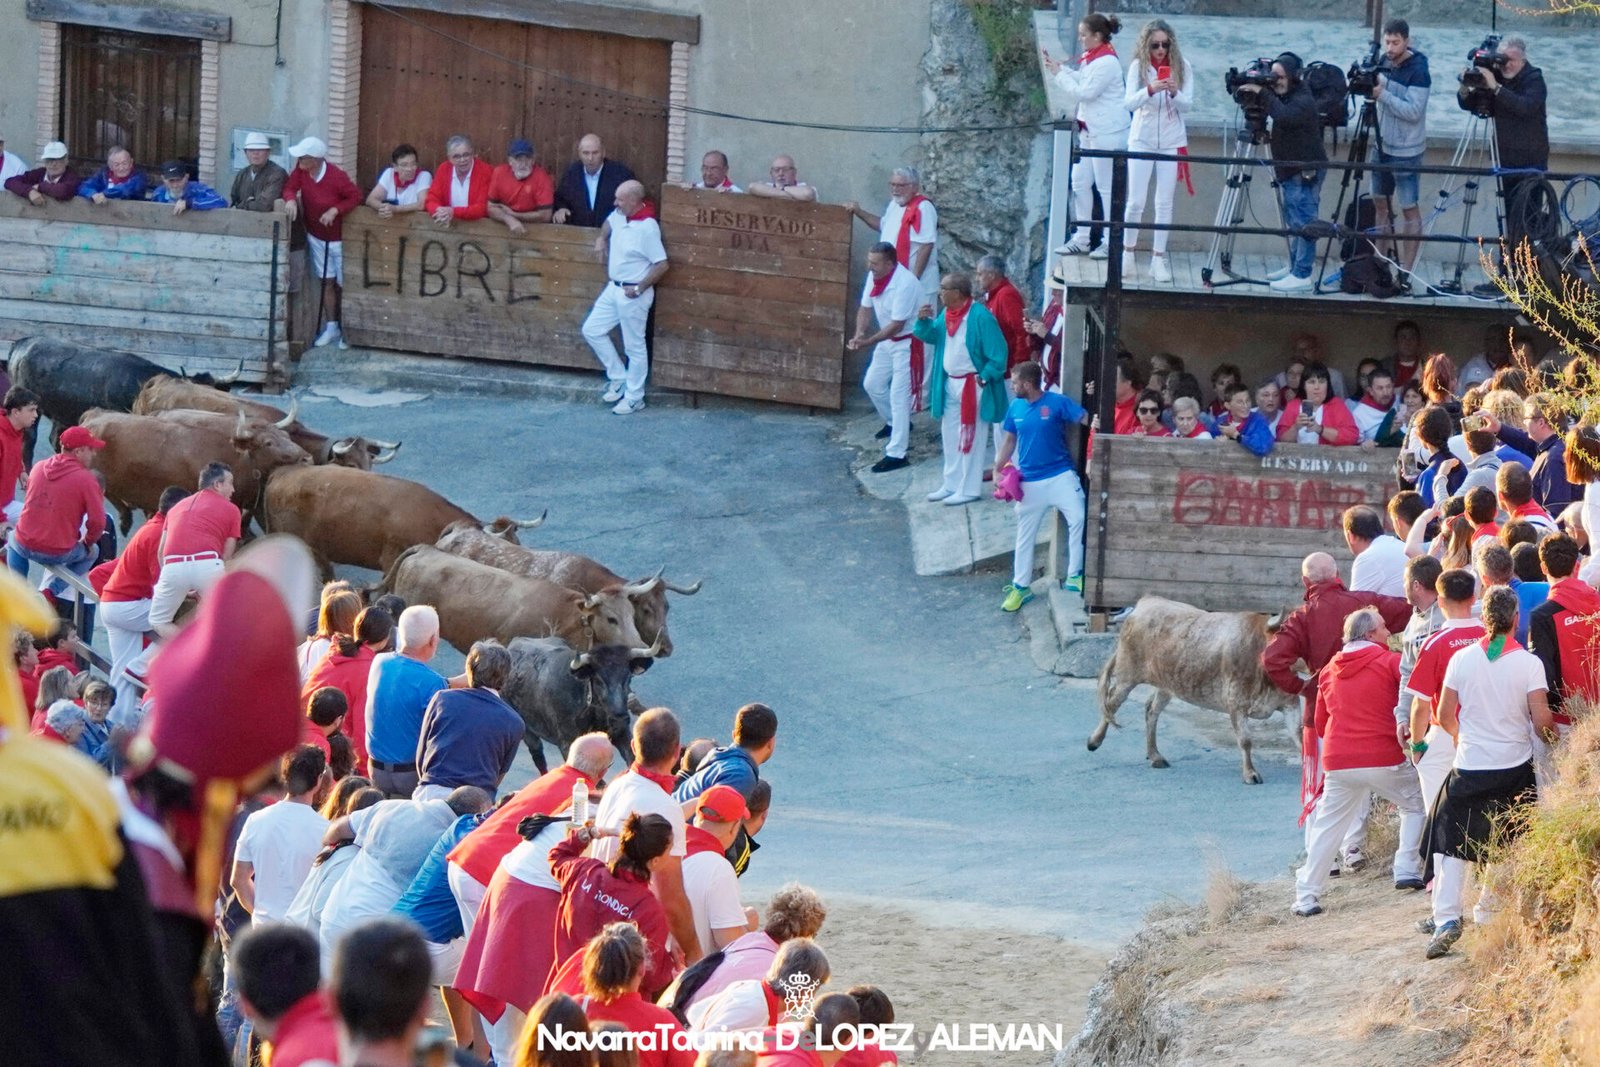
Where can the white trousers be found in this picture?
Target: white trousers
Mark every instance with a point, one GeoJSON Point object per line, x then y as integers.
{"type": "Point", "coordinates": [963, 471]}
{"type": "Point", "coordinates": [612, 309]}
{"type": "Point", "coordinates": [1091, 174]}
{"type": "Point", "coordinates": [1344, 794]}
{"type": "Point", "coordinates": [887, 384]}
{"type": "Point", "coordinates": [126, 622]}
{"type": "Point", "coordinates": [503, 1035]}
{"type": "Point", "coordinates": [178, 579]}
{"type": "Point", "coordinates": [1434, 766]}
{"type": "Point", "coordinates": [1064, 493]}
{"type": "Point", "coordinates": [1166, 175]}
{"type": "Point", "coordinates": [469, 894]}
{"type": "Point", "coordinates": [1450, 887]}
{"type": "Point", "coordinates": [1355, 837]}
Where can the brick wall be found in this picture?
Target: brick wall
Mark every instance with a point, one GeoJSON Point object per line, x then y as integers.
{"type": "Point", "coordinates": [344, 82]}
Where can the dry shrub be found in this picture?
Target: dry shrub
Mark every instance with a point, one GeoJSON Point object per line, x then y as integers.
{"type": "Point", "coordinates": [1224, 896]}
{"type": "Point", "coordinates": [1382, 1012]}
{"type": "Point", "coordinates": [1383, 837]}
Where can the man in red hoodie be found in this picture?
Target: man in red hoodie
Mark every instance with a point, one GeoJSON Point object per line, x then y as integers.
{"type": "Point", "coordinates": [1564, 630]}
{"type": "Point", "coordinates": [18, 412]}
{"type": "Point", "coordinates": [1361, 755]}
{"type": "Point", "coordinates": [323, 194]}
{"type": "Point", "coordinates": [64, 511]}
{"type": "Point", "coordinates": [1312, 633]}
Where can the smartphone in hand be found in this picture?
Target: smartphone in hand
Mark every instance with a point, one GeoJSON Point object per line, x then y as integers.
{"type": "Point", "coordinates": [1163, 72]}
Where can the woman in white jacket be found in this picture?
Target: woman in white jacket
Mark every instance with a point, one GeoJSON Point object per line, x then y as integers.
{"type": "Point", "coordinates": [1158, 105]}
{"type": "Point", "coordinates": [1102, 119]}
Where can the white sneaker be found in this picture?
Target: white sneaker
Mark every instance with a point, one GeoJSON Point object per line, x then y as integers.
{"type": "Point", "coordinates": [1159, 271]}
{"type": "Point", "coordinates": [1130, 267]}
{"type": "Point", "coordinates": [1291, 284]}
{"type": "Point", "coordinates": [1280, 273]}
{"type": "Point", "coordinates": [344, 346]}
{"type": "Point", "coordinates": [612, 394]}
{"type": "Point", "coordinates": [1103, 252]}
{"type": "Point", "coordinates": [938, 495]}
{"type": "Point", "coordinates": [326, 337]}
{"type": "Point", "coordinates": [1072, 248]}
{"type": "Point", "coordinates": [628, 407]}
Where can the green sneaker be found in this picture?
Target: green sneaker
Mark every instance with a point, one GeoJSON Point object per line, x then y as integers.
{"type": "Point", "coordinates": [1016, 598]}
{"type": "Point", "coordinates": [1073, 584]}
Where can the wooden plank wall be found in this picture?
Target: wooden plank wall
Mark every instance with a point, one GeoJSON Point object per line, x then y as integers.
{"type": "Point", "coordinates": [753, 305]}
{"type": "Point", "coordinates": [473, 289]}
{"type": "Point", "coordinates": [192, 292]}
{"type": "Point", "coordinates": [756, 300]}
{"type": "Point", "coordinates": [1209, 524]}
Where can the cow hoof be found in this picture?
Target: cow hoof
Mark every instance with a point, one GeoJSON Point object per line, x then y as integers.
{"type": "Point", "coordinates": [1253, 779]}
{"type": "Point", "coordinates": [1094, 743]}
{"type": "Point", "coordinates": [1160, 763]}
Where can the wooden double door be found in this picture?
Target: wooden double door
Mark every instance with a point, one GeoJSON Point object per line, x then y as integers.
{"type": "Point", "coordinates": [425, 76]}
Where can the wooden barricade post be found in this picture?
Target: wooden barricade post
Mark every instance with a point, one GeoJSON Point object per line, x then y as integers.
{"type": "Point", "coordinates": [1211, 524]}
{"type": "Point", "coordinates": [204, 291]}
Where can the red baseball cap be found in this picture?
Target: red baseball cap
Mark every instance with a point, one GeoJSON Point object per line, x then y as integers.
{"type": "Point", "coordinates": [78, 437]}
{"type": "Point", "coordinates": [722, 803]}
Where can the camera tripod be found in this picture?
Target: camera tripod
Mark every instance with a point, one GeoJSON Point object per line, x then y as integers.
{"type": "Point", "coordinates": [1366, 135]}
{"type": "Point", "coordinates": [1249, 151]}
{"type": "Point", "coordinates": [1476, 147]}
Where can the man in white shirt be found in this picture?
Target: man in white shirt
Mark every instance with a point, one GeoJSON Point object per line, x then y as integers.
{"type": "Point", "coordinates": [910, 223]}
{"type": "Point", "coordinates": [893, 295]}
{"type": "Point", "coordinates": [10, 164]}
{"type": "Point", "coordinates": [630, 240]}
{"type": "Point", "coordinates": [1375, 404]}
{"type": "Point", "coordinates": [278, 843]}
{"type": "Point", "coordinates": [1380, 565]}
{"type": "Point", "coordinates": [708, 878]}
{"type": "Point", "coordinates": [714, 174]}
{"type": "Point", "coordinates": [784, 182]}
{"type": "Point", "coordinates": [646, 788]}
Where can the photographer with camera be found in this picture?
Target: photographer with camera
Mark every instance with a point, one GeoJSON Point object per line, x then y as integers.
{"type": "Point", "coordinates": [1400, 92]}
{"type": "Point", "coordinates": [1517, 103]}
{"type": "Point", "coordinates": [1296, 138]}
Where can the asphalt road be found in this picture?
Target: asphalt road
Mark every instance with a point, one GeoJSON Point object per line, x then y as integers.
{"type": "Point", "coordinates": [921, 758]}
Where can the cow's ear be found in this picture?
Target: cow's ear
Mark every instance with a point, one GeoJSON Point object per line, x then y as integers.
{"type": "Point", "coordinates": [640, 665]}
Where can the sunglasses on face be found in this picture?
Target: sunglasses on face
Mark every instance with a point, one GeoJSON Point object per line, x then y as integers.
{"type": "Point", "coordinates": [1159, 44]}
{"type": "Point", "coordinates": [1149, 411]}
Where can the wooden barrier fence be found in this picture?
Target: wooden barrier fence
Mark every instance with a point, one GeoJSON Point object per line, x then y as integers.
{"type": "Point", "coordinates": [1212, 525]}
{"type": "Point", "coordinates": [204, 291]}
{"type": "Point", "coordinates": [754, 303]}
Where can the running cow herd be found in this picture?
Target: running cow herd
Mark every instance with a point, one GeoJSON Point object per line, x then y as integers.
{"type": "Point", "coordinates": [551, 608]}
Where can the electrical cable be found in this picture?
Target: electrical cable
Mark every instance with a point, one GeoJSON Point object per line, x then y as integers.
{"type": "Point", "coordinates": [655, 104]}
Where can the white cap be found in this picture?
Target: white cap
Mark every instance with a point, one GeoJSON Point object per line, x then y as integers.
{"type": "Point", "coordinates": [53, 150]}
{"type": "Point", "coordinates": [311, 146]}
{"type": "Point", "coordinates": [256, 140]}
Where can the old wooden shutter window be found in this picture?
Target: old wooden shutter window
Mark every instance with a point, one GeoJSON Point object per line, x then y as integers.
{"type": "Point", "coordinates": [138, 90]}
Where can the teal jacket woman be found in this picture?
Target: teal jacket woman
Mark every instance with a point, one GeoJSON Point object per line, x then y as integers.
{"type": "Point", "coordinates": [986, 346]}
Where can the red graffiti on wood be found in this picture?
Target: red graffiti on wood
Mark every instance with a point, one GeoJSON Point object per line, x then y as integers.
{"type": "Point", "coordinates": [1205, 499]}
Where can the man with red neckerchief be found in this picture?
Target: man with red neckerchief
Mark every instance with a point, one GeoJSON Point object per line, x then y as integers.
{"type": "Point", "coordinates": [630, 242]}
{"type": "Point", "coordinates": [1313, 632]}
{"type": "Point", "coordinates": [1513, 486]}
{"type": "Point", "coordinates": [910, 223]}
{"type": "Point", "coordinates": [714, 174]}
{"type": "Point", "coordinates": [1045, 332]}
{"type": "Point", "coordinates": [1564, 630]}
{"type": "Point", "coordinates": [892, 295]}
{"type": "Point", "coordinates": [708, 878]}
{"type": "Point", "coordinates": [966, 391]}
{"type": "Point", "coordinates": [646, 788]}
{"type": "Point", "coordinates": [1429, 746]}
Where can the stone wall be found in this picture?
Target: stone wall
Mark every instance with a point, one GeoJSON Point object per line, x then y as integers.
{"type": "Point", "coordinates": [992, 188]}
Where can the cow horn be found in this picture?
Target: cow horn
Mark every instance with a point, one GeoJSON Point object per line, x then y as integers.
{"type": "Point", "coordinates": [385, 456]}
{"type": "Point", "coordinates": [183, 372]}
{"type": "Point", "coordinates": [242, 427]}
{"type": "Point", "coordinates": [375, 445]}
{"type": "Point", "coordinates": [685, 590]}
{"type": "Point", "coordinates": [234, 377]}
{"type": "Point", "coordinates": [339, 448]}
{"type": "Point", "coordinates": [294, 413]}
{"type": "Point", "coordinates": [648, 653]}
{"type": "Point", "coordinates": [582, 661]}
{"type": "Point", "coordinates": [528, 524]}
{"type": "Point", "coordinates": [633, 589]}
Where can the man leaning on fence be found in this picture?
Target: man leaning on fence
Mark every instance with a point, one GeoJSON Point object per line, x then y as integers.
{"type": "Point", "coordinates": [325, 194]}
{"type": "Point", "coordinates": [259, 185]}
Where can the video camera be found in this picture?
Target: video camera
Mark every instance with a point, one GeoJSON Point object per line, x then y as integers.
{"type": "Point", "coordinates": [1362, 77]}
{"type": "Point", "coordinates": [1474, 94]}
{"type": "Point", "coordinates": [1254, 105]}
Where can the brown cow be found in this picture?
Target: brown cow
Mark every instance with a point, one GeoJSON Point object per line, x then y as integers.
{"type": "Point", "coordinates": [1212, 659]}
{"type": "Point", "coordinates": [166, 393]}
{"type": "Point", "coordinates": [475, 601]}
{"type": "Point", "coordinates": [649, 595]}
{"type": "Point", "coordinates": [146, 453]}
{"type": "Point", "coordinates": [362, 518]}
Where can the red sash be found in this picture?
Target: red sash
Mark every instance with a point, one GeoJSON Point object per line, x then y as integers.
{"type": "Point", "coordinates": [1183, 170]}
{"type": "Point", "coordinates": [969, 409]}
{"type": "Point", "coordinates": [910, 219]}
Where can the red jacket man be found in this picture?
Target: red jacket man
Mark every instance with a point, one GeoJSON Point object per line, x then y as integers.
{"type": "Point", "coordinates": [1005, 304]}
{"type": "Point", "coordinates": [1563, 631]}
{"type": "Point", "coordinates": [1356, 692]}
{"type": "Point", "coordinates": [464, 165]}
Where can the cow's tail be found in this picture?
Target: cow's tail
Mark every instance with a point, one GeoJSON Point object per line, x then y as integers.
{"type": "Point", "coordinates": [392, 576]}
{"type": "Point", "coordinates": [1108, 714]}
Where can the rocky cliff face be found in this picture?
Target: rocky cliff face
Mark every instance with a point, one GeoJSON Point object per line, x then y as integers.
{"type": "Point", "coordinates": [991, 188]}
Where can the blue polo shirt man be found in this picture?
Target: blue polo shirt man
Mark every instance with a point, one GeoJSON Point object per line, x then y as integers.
{"type": "Point", "coordinates": [399, 687]}
{"type": "Point", "coordinates": [469, 736]}
{"type": "Point", "coordinates": [1038, 428]}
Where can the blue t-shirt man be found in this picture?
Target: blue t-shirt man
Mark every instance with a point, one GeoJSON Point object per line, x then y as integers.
{"type": "Point", "coordinates": [428, 901]}
{"type": "Point", "coordinates": [1040, 427]}
{"type": "Point", "coordinates": [397, 694]}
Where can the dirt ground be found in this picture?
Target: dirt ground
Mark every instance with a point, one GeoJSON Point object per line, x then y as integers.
{"type": "Point", "coordinates": [946, 966]}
